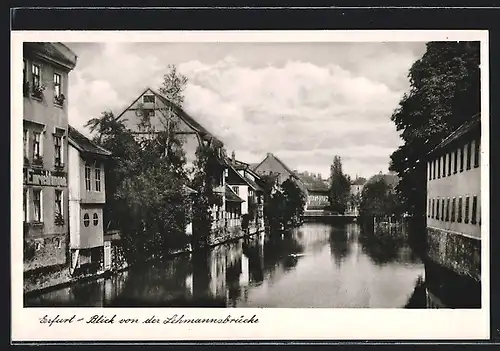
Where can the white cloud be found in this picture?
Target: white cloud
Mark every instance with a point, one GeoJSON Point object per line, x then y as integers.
{"type": "Point", "coordinates": [303, 110]}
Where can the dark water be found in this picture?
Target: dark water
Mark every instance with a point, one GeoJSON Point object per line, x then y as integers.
{"type": "Point", "coordinates": [316, 265]}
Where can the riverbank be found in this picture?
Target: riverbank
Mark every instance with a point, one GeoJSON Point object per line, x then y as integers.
{"type": "Point", "coordinates": [58, 277]}
{"type": "Point", "coordinates": [310, 266]}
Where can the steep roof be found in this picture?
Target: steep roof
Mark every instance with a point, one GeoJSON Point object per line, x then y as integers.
{"type": "Point", "coordinates": [390, 179]}
{"type": "Point", "coordinates": [84, 144]}
{"type": "Point", "coordinates": [57, 52]}
{"type": "Point", "coordinates": [272, 156]}
{"type": "Point", "coordinates": [236, 167]}
{"type": "Point", "coordinates": [179, 112]}
{"type": "Point", "coordinates": [313, 184]}
{"type": "Point", "coordinates": [231, 195]}
{"type": "Point", "coordinates": [473, 124]}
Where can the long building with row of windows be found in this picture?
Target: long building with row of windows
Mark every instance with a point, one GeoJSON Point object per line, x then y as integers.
{"type": "Point", "coordinates": [454, 201]}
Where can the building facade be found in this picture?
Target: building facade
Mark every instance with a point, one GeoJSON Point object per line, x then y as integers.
{"type": "Point", "coordinates": [249, 186]}
{"type": "Point", "coordinates": [316, 190]}
{"type": "Point", "coordinates": [151, 113]}
{"type": "Point", "coordinates": [87, 197]}
{"type": "Point", "coordinates": [45, 145]}
{"type": "Point", "coordinates": [454, 201]}
{"type": "Point", "coordinates": [356, 192]}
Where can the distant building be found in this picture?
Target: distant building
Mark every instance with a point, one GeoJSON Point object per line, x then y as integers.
{"type": "Point", "coordinates": [272, 165]}
{"type": "Point", "coordinates": [356, 191]}
{"type": "Point", "coordinates": [87, 197]}
{"type": "Point", "coordinates": [454, 200]}
{"type": "Point", "coordinates": [45, 150]}
{"type": "Point", "coordinates": [316, 190]}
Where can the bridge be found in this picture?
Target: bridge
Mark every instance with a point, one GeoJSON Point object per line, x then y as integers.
{"type": "Point", "coordinates": [328, 214]}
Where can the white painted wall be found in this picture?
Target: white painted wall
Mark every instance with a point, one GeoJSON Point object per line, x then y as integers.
{"type": "Point", "coordinates": [74, 196]}
{"type": "Point", "coordinates": [460, 184]}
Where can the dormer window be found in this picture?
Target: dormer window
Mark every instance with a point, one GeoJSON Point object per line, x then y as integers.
{"type": "Point", "coordinates": [148, 99]}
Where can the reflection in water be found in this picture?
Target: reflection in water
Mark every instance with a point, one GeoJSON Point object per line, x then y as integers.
{"type": "Point", "coordinates": [316, 265]}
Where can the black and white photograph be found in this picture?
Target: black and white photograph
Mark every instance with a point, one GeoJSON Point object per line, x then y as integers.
{"type": "Point", "coordinates": [254, 174]}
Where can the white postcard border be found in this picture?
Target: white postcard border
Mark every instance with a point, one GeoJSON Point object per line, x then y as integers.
{"type": "Point", "coordinates": [274, 323]}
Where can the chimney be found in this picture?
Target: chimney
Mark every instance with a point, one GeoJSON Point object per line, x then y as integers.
{"type": "Point", "coordinates": [233, 157]}
{"type": "Point", "coordinates": [319, 176]}
{"type": "Point", "coordinates": [295, 171]}
{"type": "Point", "coordinates": [269, 154]}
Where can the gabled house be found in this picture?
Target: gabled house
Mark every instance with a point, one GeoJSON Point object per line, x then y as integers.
{"type": "Point", "coordinates": [272, 165]}
{"type": "Point", "coordinates": [317, 192]}
{"type": "Point", "coordinates": [151, 113]}
{"type": "Point", "coordinates": [87, 197]}
{"type": "Point", "coordinates": [245, 183]}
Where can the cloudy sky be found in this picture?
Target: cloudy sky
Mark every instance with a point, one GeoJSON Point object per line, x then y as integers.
{"type": "Point", "coordinates": [304, 102]}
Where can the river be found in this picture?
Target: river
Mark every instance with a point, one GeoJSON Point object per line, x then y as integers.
{"type": "Point", "coordinates": [316, 265]}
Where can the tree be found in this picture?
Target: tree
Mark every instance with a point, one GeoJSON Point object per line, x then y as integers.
{"type": "Point", "coordinates": [444, 93]}
{"type": "Point", "coordinates": [294, 203]}
{"type": "Point", "coordinates": [379, 199]}
{"type": "Point", "coordinates": [145, 183]}
{"type": "Point", "coordinates": [283, 204]}
{"type": "Point", "coordinates": [207, 176]}
{"type": "Point", "coordinates": [340, 187]}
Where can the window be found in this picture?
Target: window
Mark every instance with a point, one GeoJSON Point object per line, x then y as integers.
{"type": "Point", "coordinates": [434, 170]}
{"type": "Point", "coordinates": [148, 99]}
{"type": "Point", "coordinates": [86, 220]}
{"type": "Point", "coordinates": [453, 209]}
{"type": "Point", "coordinates": [442, 209]}
{"type": "Point", "coordinates": [474, 210]}
{"type": "Point", "coordinates": [95, 218]}
{"type": "Point", "coordinates": [429, 170]}
{"type": "Point", "coordinates": [57, 150]}
{"type": "Point", "coordinates": [25, 143]}
{"type": "Point", "coordinates": [35, 75]}
{"type": "Point", "coordinates": [460, 210]}
{"type": "Point", "coordinates": [57, 85]}
{"type": "Point", "coordinates": [444, 166]}
{"type": "Point", "coordinates": [439, 167]}
{"type": "Point", "coordinates": [24, 71]}
{"type": "Point", "coordinates": [450, 155]}
{"type": "Point", "coordinates": [437, 209]}
{"type": "Point", "coordinates": [58, 202]}
{"type": "Point", "coordinates": [447, 219]}
{"type": "Point", "coordinates": [36, 145]}
{"type": "Point", "coordinates": [97, 174]}
{"type": "Point", "coordinates": [462, 150]}
{"type": "Point", "coordinates": [37, 205]}
{"type": "Point", "coordinates": [477, 153]}
{"type": "Point", "coordinates": [25, 207]}
{"type": "Point", "coordinates": [433, 205]}
{"type": "Point", "coordinates": [469, 155]}
{"type": "Point", "coordinates": [429, 206]}
{"type": "Point", "coordinates": [88, 181]}
{"type": "Point", "coordinates": [236, 190]}
{"type": "Point", "coordinates": [455, 162]}
{"type": "Point", "coordinates": [466, 217]}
